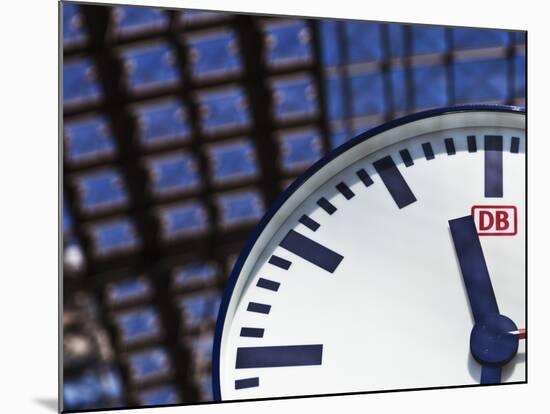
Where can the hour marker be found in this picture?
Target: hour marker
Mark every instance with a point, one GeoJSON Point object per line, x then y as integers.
{"type": "Point", "coordinates": [472, 144]}
{"type": "Point", "coordinates": [345, 190]}
{"type": "Point", "coordinates": [258, 307]}
{"type": "Point", "coordinates": [394, 182]}
{"type": "Point", "coordinates": [493, 166]}
{"type": "Point", "coordinates": [311, 251]}
{"type": "Point", "coordinates": [428, 151]}
{"type": "Point", "coordinates": [279, 262]}
{"type": "Point", "coordinates": [309, 223]}
{"type": "Point", "coordinates": [326, 205]}
{"type": "Point", "coordinates": [279, 356]}
{"type": "Point", "coordinates": [514, 145]}
{"type": "Point", "coordinates": [450, 146]}
{"type": "Point", "coordinates": [247, 383]}
{"type": "Point", "coordinates": [406, 157]}
{"type": "Point", "coordinates": [268, 284]}
{"type": "Point", "coordinates": [252, 332]}
{"type": "Point", "coordinates": [363, 176]}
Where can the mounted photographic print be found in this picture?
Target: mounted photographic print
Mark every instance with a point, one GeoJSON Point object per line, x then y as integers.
{"type": "Point", "coordinates": [260, 207]}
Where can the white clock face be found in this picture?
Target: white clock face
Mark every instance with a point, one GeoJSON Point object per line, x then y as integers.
{"type": "Point", "coordinates": [354, 284]}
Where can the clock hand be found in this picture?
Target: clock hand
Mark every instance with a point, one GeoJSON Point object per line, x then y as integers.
{"type": "Point", "coordinates": [491, 341]}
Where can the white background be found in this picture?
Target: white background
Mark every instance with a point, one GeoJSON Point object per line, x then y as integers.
{"type": "Point", "coordinates": [29, 209]}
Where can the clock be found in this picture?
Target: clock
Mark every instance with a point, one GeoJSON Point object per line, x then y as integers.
{"type": "Point", "coordinates": [395, 262]}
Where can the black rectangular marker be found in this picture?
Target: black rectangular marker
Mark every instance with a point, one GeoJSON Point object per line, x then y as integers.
{"type": "Point", "coordinates": [450, 146]}
{"type": "Point", "coordinates": [514, 145]}
{"type": "Point", "coordinates": [326, 205]}
{"type": "Point", "coordinates": [247, 383]}
{"type": "Point", "coordinates": [268, 284]}
{"type": "Point", "coordinates": [406, 157]}
{"type": "Point", "coordinates": [394, 182]}
{"type": "Point", "coordinates": [345, 190]}
{"type": "Point", "coordinates": [472, 143]}
{"type": "Point", "coordinates": [311, 251]}
{"type": "Point", "coordinates": [258, 307]}
{"type": "Point", "coordinates": [252, 332]}
{"type": "Point", "coordinates": [309, 223]}
{"type": "Point", "coordinates": [428, 151]}
{"type": "Point", "coordinates": [279, 262]}
{"type": "Point", "coordinates": [279, 356]}
{"type": "Point", "coordinates": [493, 166]}
{"type": "Point", "coordinates": [364, 176]}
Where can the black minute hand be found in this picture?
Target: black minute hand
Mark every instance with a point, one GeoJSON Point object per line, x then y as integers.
{"type": "Point", "coordinates": [492, 343]}
{"type": "Point", "coordinates": [474, 269]}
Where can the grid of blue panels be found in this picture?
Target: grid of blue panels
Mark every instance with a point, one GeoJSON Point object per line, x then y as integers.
{"type": "Point", "coordinates": [377, 71]}
{"type": "Point", "coordinates": [185, 139]}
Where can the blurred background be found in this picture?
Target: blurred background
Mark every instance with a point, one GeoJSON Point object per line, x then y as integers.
{"type": "Point", "coordinates": [180, 128]}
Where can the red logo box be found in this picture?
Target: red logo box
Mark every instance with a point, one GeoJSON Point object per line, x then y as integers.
{"type": "Point", "coordinates": [495, 220]}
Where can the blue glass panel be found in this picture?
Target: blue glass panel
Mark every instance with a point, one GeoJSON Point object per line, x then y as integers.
{"type": "Point", "coordinates": [79, 82]}
{"type": "Point", "coordinates": [200, 308]}
{"type": "Point", "coordinates": [203, 273]}
{"type": "Point", "coordinates": [195, 17]}
{"type": "Point", "coordinates": [150, 66]}
{"type": "Point", "coordinates": [114, 236]}
{"type": "Point", "coordinates": [397, 40]}
{"type": "Point", "coordinates": [73, 32]}
{"type": "Point", "coordinates": [112, 384]}
{"type": "Point", "coordinates": [224, 110]}
{"type": "Point", "coordinates": [149, 364]}
{"type": "Point", "coordinates": [201, 348]}
{"type": "Point", "coordinates": [67, 217]}
{"type": "Point", "coordinates": [174, 173]}
{"type": "Point", "coordinates": [88, 139]}
{"type": "Point", "coordinates": [465, 38]}
{"type": "Point", "coordinates": [363, 39]}
{"type": "Point", "coordinates": [138, 325]}
{"type": "Point", "coordinates": [334, 89]}
{"type": "Point", "coordinates": [294, 97]}
{"type": "Point", "coordinates": [519, 76]}
{"type": "Point", "coordinates": [162, 122]}
{"type": "Point", "coordinates": [186, 219]}
{"type": "Point", "coordinates": [240, 208]}
{"type": "Point", "coordinates": [430, 86]}
{"type": "Point", "coordinates": [399, 88]}
{"type": "Point", "coordinates": [91, 388]}
{"type": "Point", "coordinates": [102, 190]}
{"type": "Point", "coordinates": [428, 40]}
{"type": "Point", "coordinates": [299, 149]}
{"type": "Point", "coordinates": [160, 396]}
{"type": "Point", "coordinates": [214, 54]}
{"type": "Point", "coordinates": [137, 19]}
{"type": "Point", "coordinates": [233, 161]}
{"type": "Point", "coordinates": [330, 46]}
{"type": "Point", "coordinates": [338, 136]}
{"type": "Point", "coordinates": [128, 290]}
{"type": "Point", "coordinates": [287, 42]}
{"type": "Point", "coordinates": [84, 391]}
{"type": "Point", "coordinates": [205, 385]}
{"type": "Point", "coordinates": [473, 84]}
{"type": "Point", "coordinates": [520, 38]}
{"type": "Point", "coordinates": [368, 94]}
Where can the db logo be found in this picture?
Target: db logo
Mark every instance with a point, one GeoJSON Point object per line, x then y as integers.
{"type": "Point", "coordinates": [495, 220]}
